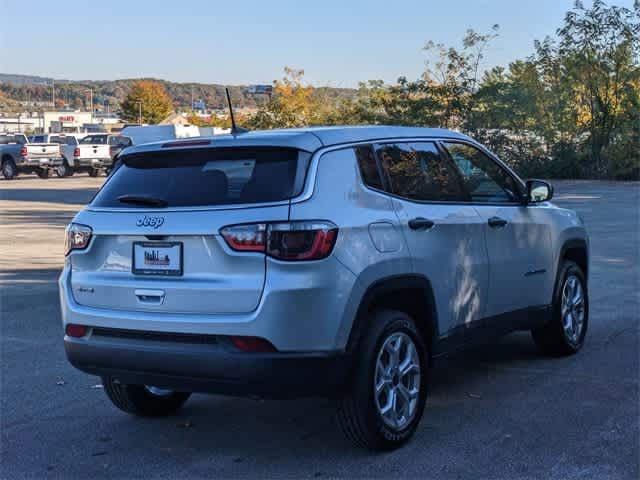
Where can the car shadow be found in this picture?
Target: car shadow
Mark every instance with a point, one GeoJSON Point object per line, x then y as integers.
{"type": "Point", "coordinates": [258, 432]}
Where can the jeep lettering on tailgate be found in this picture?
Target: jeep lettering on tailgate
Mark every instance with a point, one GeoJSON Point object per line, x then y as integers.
{"type": "Point", "coordinates": [154, 222]}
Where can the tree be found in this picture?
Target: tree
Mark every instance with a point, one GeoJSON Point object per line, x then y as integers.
{"type": "Point", "coordinates": [599, 50]}
{"type": "Point", "coordinates": [150, 99]}
{"type": "Point", "coordinates": [293, 104]}
{"type": "Point", "coordinates": [213, 120]}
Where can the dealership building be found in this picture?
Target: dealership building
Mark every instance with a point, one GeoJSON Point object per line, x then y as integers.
{"type": "Point", "coordinates": [58, 122]}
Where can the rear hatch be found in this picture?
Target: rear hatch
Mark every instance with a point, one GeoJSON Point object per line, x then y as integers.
{"type": "Point", "coordinates": [43, 150]}
{"type": "Point", "coordinates": [155, 242]}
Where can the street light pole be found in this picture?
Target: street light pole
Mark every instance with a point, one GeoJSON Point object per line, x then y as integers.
{"type": "Point", "coordinates": [139, 102]}
{"type": "Point", "coordinates": [90, 90]}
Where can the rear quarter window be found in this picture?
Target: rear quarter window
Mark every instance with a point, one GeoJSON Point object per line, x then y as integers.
{"type": "Point", "coordinates": [206, 177]}
{"type": "Point", "coordinates": [368, 166]}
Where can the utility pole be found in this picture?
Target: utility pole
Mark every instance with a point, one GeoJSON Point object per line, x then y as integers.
{"type": "Point", "coordinates": [90, 90]}
{"type": "Point", "coordinates": [53, 93]}
{"type": "Point", "coordinates": [139, 102]}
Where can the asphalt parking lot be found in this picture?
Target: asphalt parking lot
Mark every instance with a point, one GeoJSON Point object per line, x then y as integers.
{"type": "Point", "coordinates": [501, 411]}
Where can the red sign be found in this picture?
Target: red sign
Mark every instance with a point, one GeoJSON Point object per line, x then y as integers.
{"type": "Point", "coordinates": [66, 118]}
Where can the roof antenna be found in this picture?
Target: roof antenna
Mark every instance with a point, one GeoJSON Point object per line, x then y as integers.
{"type": "Point", "coordinates": [235, 130]}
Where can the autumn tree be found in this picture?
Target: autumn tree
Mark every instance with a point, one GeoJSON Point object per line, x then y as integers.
{"type": "Point", "coordinates": [149, 99]}
{"type": "Point", "coordinates": [292, 104]}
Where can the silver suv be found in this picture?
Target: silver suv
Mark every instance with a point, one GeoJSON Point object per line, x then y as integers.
{"type": "Point", "coordinates": [334, 261]}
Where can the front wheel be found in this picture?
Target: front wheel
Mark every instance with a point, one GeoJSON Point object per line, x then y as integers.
{"type": "Point", "coordinates": [144, 400]}
{"type": "Point", "coordinates": [565, 333]}
{"type": "Point", "coordinates": [383, 406]}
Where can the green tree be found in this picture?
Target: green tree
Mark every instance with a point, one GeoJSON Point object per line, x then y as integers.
{"type": "Point", "coordinates": [598, 49]}
{"type": "Point", "coordinates": [149, 98]}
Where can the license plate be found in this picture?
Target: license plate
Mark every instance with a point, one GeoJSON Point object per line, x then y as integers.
{"type": "Point", "coordinates": [157, 258]}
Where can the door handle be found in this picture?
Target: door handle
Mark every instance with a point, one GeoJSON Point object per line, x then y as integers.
{"type": "Point", "coordinates": [497, 222]}
{"type": "Point", "coordinates": [420, 223]}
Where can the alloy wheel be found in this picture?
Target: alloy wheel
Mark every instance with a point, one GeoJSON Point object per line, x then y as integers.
{"type": "Point", "coordinates": [572, 309]}
{"type": "Point", "coordinates": [397, 380]}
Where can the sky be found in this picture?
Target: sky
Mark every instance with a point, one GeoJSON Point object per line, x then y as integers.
{"type": "Point", "coordinates": [337, 42]}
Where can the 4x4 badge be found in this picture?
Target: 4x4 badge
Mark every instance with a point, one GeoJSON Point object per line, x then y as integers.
{"type": "Point", "coordinates": [154, 222]}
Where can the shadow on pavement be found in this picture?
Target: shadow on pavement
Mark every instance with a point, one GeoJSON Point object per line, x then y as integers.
{"type": "Point", "coordinates": [71, 196]}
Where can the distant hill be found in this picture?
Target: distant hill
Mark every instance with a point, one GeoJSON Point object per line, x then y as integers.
{"type": "Point", "coordinates": [23, 79]}
{"type": "Point", "coordinates": [73, 93]}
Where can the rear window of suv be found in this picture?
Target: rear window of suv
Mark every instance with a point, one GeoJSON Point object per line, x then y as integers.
{"type": "Point", "coordinates": [205, 177]}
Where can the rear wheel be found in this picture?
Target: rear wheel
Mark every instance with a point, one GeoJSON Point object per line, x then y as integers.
{"type": "Point", "coordinates": [43, 173]}
{"type": "Point", "coordinates": [144, 400]}
{"type": "Point", "coordinates": [9, 170]}
{"type": "Point", "coordinates": [564, 334]}
{"type": "Point", "coordinates": [384, 405]}
{"type": "Point", "coordinates": [64, 170]}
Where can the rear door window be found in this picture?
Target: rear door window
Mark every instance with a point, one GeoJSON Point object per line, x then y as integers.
{"type": "Point", "coordinates": [206, 177]}
{"type": "Point", "coordinates": [417, 171]}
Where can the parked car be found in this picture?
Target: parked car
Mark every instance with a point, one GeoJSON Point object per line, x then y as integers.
{"type": "Point", "coordinates": [19, 156]}
{"type": "Point", "coordinates": [62, 170]}
{"type": "Point", "coordinates": [336, 261]}
{"type": "Point", "coordinates": [93, 153]}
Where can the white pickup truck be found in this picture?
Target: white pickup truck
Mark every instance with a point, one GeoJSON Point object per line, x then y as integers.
{"type": "Point", "coordinates": [17, 156]}
{"type": "Point", "coordinates": [93, 153]}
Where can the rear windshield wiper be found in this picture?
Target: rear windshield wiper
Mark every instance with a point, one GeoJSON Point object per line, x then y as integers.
{"type": "Point", "coordinates": [143, 201]}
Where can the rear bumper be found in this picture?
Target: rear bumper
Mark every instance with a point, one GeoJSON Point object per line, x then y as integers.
{"type": "Point", "coordinates": [93, 162]}
{"type": "Point", "coordinates": [211, 368]}
{"type": "Point", "coordinates": [40, 162]}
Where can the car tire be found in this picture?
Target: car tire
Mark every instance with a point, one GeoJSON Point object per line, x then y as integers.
{"type": "Point", "coordinates": [564, 334]}
{"type": "Point", "coordinates": [94, 172]}
{"type": "Point", "coordinates": [142, 400]}
{"type": "Point", "coordinates": [9, 169]}
{"type": "Point", "coordinates": [64, 170]}
{"type": "Point", "coordinates": [43, 173]}
{"type": "Point", "coordinates": [360, 410]}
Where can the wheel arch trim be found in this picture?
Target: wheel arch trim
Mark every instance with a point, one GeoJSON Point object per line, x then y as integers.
{"type": "Point", "coordinates": [571, 244]}
{"type": "Point", "coordinates": [386, 285]}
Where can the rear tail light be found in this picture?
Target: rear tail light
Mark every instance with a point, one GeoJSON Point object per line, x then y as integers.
{"type": "Point", "coordinates": [304, 240]}
{"type": "Point", "coordinates": [76, 152]}
{"type": "Point", "coordinates": [252, 344]}
{"type": "Point", "coordinates": [23, 152]}
{"type": "Point", "coordinates": [246, 238]}
{"type": "Point", "coordinates": [76, 331]}
{"type": "Point", "coordinates": [77, 237]}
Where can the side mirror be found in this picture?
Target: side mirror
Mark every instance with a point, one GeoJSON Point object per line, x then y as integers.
{"type": "Point", "coordinates": [539, 191]}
